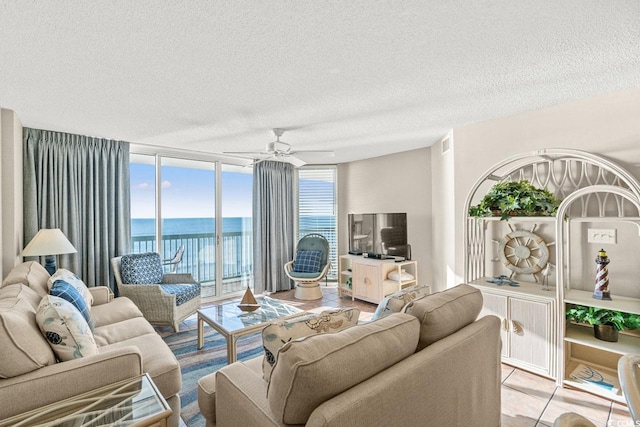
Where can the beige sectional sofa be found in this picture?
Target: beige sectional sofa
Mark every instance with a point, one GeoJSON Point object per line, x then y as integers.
{"type": "Point", "coordinates": [127, 344]}
{"type": "Point", "coordinates": [434, 365]}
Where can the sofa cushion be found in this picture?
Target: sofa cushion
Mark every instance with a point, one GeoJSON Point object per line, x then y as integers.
{"type": "Point", "coordinates": [73, 280]}
{"type": "Point", "coordinates": [22, 292]}
{"type": "Point", "coordinates": [313, 370]}
{"type": "Point", "coordinates": [307, 262]}
{"type": "Point", "coordinates": [116, 310]}
{"type": "Point", "coordinates": [396, 302]}
{"type": "Point", "coordinates": [444, 313]}
{"type": "Point", "coordinates": [65, 329]}
{"type": "Point", "coordinates": [121, 331]}
{"type": "Point", "coordinates": [157, 359]}
{"type": "Point", "coordinates": [22, 346]}
{"type": "Point", "coordinates": [139, 269]}
{"type": "Point", "coordinates": [277, 334]}
{"type": "Point", "coordinates": [63, 289]}
{"type": "Point", "coordinates": [31, 274]}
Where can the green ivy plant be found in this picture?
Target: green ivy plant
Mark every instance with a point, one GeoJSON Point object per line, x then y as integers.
{"type": "Point", "coordinates": [516, 198]}
{"type": "Point", "coordinates": [603, 316]}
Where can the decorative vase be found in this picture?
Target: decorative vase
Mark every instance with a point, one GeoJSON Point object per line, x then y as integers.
{"type": "Point", "coordinates": [605, 333]}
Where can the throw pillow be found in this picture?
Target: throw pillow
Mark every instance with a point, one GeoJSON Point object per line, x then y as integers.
{"type": "Point", "coordinates": [396, 302]}
{"type": "Point", "coordinates": [275, 335]}
{"type": "Point", "coordinates": [66, 330]}
{"type": "Point", "coordinates": [73, 280]}
{"type": "Point", "coordinates": [307, 262]}
{"type": "Point", "coordinates": [65, 290]}
{"type": "Point", "coordinates": [141, 269]}
{"type": "Point", "coordinates": [22, 347]}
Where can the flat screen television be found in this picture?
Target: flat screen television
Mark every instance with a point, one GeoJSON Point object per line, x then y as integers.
{"type": "Point", "coordinates": [379, 233]}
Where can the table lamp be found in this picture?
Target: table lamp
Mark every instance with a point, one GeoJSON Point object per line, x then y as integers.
{"type": "Point", "coordinates": [49, 242]}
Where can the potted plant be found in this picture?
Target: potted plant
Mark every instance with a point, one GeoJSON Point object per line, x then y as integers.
{"type": "Point", "coordinates": [606, 323]}
{"type": "Point", "coordinates": [516, 198]}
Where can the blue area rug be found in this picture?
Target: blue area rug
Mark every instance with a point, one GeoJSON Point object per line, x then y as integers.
{"type": "Point", "coordinates": [195, 363]}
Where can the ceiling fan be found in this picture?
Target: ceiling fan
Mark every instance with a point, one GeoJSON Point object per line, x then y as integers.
{"type": "Point", "coordinates": [280, 151]}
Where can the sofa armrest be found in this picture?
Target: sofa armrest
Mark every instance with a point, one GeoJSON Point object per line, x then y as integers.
{"type": "Point", "coordinates": [101, 294]}
{"type": "Point", "coordinates": [241, 398]}
{"type": "Point", "coordinates": [62, 380]}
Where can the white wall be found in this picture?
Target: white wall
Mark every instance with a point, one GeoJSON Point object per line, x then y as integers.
{"type": "Point", "coordinates": [395, 183]}
{"type": "Point", "coordinates": [11, 234]}
{"type": "Point", "coordinates": [607, 125]}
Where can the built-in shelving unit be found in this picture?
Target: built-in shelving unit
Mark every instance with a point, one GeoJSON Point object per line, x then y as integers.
{"type": "Point", "coordinates": [594, 191]}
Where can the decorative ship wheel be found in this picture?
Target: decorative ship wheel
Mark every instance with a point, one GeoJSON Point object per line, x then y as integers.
{"type": "Point", "coordinates": [523, 252]}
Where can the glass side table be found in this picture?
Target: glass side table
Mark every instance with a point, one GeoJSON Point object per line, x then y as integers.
{"type": "Point", "coordinates": [134, 402]}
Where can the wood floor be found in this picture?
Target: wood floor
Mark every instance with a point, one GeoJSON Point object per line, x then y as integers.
{"type": "Point", "coordinates": [527, 399]}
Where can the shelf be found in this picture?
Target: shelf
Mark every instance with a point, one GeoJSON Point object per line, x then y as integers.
{"type": "Point", "coordinates": [527, 288]}
{"type": "Point", "coordinates": [583, 335]}
{"type": "Point", "coordinates": [346, 273]}
{"type": "Point", "coordinates": [624, 304]}
{"type": "Point", "coordinates": [573, 363]}
{"type": "Point", "coordinates": [518, 218]}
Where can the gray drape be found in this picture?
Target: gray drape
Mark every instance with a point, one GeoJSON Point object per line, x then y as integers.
{"type": "Point", "coordinates": [273, 225]}
{"type": "Point", "coordinates": [79, 184]}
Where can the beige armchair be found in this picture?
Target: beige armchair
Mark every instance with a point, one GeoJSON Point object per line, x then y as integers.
{"type": "Point", "coordinates": [164, 299]}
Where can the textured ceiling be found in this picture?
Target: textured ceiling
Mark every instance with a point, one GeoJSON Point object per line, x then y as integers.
{"type": "Point", "coordinates": [364, 78]}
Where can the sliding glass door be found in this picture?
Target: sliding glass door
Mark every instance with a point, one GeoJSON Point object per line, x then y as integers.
{"type": "Point", "coordinates": [199, 208]}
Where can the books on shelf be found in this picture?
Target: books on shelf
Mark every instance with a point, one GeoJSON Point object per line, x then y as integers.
{"type": "Point", "coordinates": [596, 378]}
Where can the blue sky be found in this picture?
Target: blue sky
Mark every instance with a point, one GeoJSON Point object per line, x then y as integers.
{"type": "Point", "coordinates": [189, 192]}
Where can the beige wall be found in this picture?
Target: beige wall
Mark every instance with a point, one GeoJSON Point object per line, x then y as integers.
{"type": "Point", "coordinates": [11, 218]}
{"type": "Point", "coordinates": [607, 125]}
{"type": "Point", "coordinates": [395, 183]}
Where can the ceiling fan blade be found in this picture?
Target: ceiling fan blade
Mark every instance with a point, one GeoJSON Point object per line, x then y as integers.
{"type": "Point", "coordinates": [246, 153]}
{"type": "Point", "coordinates": [328, 153]}
{"type": "Point", "coordinates": [295, 161]}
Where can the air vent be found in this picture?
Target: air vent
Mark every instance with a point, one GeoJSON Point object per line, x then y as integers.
{"type": "Point", "coordinates": [445, 145]}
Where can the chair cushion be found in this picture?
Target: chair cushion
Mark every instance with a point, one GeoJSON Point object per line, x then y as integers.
{"type": "Point", "coordinates": [446, 312]}
{"type": "Point", "coordinates": [73, 280]}
{"type": "Point", "coordinates": [184, 292]}
{"type": "Point", "coordinates": [312, 370]}
{"type": "Point", "coordinates": [29, 273]}
{"type": "Point", "coordinates": [396, 302]}
{"type": "Point", "coordinates": [63, 289]}
{"type": "Point", "coordinates": [307, 262]}
{"type": "Point", "coordinates": [66, 330]}
{"type": "Point", "coordinates": [277, 334]}
{"type": "Point", "coordinates": [23, 348]}
{"type": "Point", "coordinates": [139, 269]}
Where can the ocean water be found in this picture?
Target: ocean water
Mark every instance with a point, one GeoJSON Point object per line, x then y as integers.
{"type": "Point", "coordinates": [177, 226]}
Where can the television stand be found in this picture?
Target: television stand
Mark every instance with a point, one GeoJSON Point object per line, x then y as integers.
{"type": "Point", "coordinates": [370, 277]}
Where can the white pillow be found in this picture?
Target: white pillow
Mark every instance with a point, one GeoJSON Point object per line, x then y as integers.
{"type": "Point", "coordinates": [394, 275]}
{"type": "Point", "coordinates": [73, 280]}
{"type": "Point", "coordinates": [65, 329]}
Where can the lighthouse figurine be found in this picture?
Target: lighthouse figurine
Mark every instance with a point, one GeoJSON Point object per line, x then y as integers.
{"type": "Point", "coordinates": [602, 281]}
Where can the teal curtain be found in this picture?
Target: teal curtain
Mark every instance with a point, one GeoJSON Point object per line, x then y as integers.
{"type": "Point", "coordinates": [79, 184]}
{"type": "Point", "coordinates": [273, 225]}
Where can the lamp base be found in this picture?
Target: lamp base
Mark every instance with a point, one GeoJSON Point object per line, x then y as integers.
{"type": "Point", "coordinates": [50, 264]}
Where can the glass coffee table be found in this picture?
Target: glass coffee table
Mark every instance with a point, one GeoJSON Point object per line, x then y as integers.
{"type": "Point", "coordinates": [233, 323]}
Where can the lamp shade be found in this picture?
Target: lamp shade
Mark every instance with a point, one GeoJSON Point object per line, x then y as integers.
{"type": "Point", "coordinates": [48, 241]}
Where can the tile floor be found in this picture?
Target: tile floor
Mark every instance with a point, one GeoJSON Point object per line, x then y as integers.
{"type": "Point", "coordinates": [527, 399]}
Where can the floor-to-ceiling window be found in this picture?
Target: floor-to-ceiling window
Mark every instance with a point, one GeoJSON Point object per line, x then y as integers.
{"type": "Point", "coordinates": [317, 207]}
{"type": "Point", "coordinates": [203, 206]}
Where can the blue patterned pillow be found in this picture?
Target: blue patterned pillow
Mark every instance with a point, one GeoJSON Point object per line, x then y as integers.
{"type": "Point", "coordinates": [67, 291]}
{"type": "Point", "coordinates": [307, 262]}
{"type": "Point", "coordinates": [140, 269]}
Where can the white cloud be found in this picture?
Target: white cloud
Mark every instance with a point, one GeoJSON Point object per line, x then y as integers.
{"type": "Point", "coordinates": [142, 186]}
{"type": "Point", "coordinates": [166, 184]}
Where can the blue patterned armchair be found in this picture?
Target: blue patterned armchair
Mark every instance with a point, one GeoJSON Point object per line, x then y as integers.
{"type": "Point", "coordinates": [309, 266]}
{"type": "Point", "coordinates": [164, 299]}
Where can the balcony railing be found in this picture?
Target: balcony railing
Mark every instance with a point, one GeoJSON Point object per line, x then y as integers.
{"type": "Point", "coordinates": [199, 257]}
{"type": "Point", "coordinates": [237, 253]}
